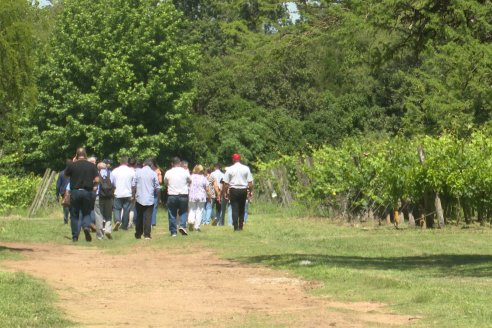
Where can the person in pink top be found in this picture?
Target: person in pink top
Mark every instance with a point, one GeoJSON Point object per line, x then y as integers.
{"type": "Point", "coordinates": [198, 195]}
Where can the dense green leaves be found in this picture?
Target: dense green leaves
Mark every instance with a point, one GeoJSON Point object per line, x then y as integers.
{"type": "Point", "coordinates": [16, 193]}
{"type": "Point", "coordinates": [384, 174]}
{"type": "Point", "coordinates": [203, 79]}
{"type": "Point", "coordinates": [119, 81]}
{"type": "Point", "coordinates": [17, 63]}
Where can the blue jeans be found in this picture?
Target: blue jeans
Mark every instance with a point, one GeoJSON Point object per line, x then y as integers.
{"type": "Point", "coordinates": [209, 211]}
{"type": "Point", "coordinates": [229, 214]}
{"type": "Point", "coordinates": [80, 210]}
{"type": "Point", "coordinates": [224, 205]}
{"type": "Point", "coordinates": [154, 210]}
{"type": "Point", "coordinates": [66, 212]}
{"type": "Point", "coordinates": [177, 203]}
{"type": "Point", "coordinates": [122, 205]}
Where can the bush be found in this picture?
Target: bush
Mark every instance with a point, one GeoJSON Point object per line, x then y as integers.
{"type": "Point", "coordinates": [17, 192]}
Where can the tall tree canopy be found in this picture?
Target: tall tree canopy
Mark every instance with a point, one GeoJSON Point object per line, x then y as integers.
{"type": "Point", "coordinates": [17, 64]}
{"type": "Point", "coordinates": [119, 80]}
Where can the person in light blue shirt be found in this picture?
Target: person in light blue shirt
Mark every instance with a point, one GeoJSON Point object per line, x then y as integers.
{"type": "Point", "coordinates": [145, 185]}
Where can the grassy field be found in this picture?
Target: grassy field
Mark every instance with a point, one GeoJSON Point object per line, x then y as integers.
{"type": "Point", "coordinates": [443, 276]}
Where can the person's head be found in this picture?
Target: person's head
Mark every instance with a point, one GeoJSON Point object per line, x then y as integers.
{"type": "Point", "coordinates": [132, 162]}
{"type": "Point", "coordinates": [154, 165]}
{"type": "Point", "coordinates": [101, 166]}
{"type": "Point", "coordinates": [148, 162]}
{"type": "Point", "coordinates": [68, 161]}
{"type": "Point", "coordinates": [80, 153]}
{"type": "Point", "coordinates": [92, 159]}
{"type": "Point", "coordinates": [108, 163]}
{"type": "Point", "coordinates": [184, 164]}
{"type": "Point", "coordinates": [217, 166]}
{"type": "Point", "coordinates": [124, 160]}
{"type": "Point", "coordinates": [198, 169]}
{"type": "Point", "coordinates": [236, 158]}
{"type": "Point", "coordinates": [175, 162]}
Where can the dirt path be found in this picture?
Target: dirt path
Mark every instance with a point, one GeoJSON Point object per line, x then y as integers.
{"type": "Point", "coordinates": [155, 288]}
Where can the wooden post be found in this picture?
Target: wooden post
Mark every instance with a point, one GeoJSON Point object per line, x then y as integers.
{"type": "Point", "coordinates": [437, 200]}
{"type": "Point", "coordinates": [38, 193]}
{"type": "Point", "coordinates": [411, 219]}
{"type": "Point", "coordinates": [45, 199]}
{"type": "Point", "coordinates": [43, 188]}
{"type": "Point", "coordinates": [439, 212]}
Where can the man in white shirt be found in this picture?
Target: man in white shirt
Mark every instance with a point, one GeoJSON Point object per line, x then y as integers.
{"type": "Point", "coordinates": [123, 177]}
{"type": "Point", "coordinates": [177, 180]}
{"type": "Point", "coordinates": [238, 184]}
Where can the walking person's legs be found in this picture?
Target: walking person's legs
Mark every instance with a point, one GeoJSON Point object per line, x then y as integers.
{"type": "Point", "coordinates": [192, 213]}
{"type": "Point", "coordinates": [154, 209]}
{"type": "Point", "coordinates": [99, 218]}
{"type": "Point", "coordinates": [238, 201]}
{"type": "Point", "coordinates": [199, 209]}
{"type": "Point", "coordinates": [147, 221]}
{"type": "Point", "coordinates": [106, 206]}
{"type": "Point", "coordinates": [125, 217]}
{"type": "Point", "coordinates": [172, 212]}
{"type": "Point", "coordinates": [183, 212]}
{"type": "Point", "coordinates": [139, 223]}
{"type": "Point", "coordinates": [118, 208]}
{"type": "Point", "coordinates": [66, 214]}
{"type": "Point", "coordinates": [223, 208]}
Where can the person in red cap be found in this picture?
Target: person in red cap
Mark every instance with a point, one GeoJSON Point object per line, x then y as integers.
{"type": "Point", "coordinates": [238, 183]}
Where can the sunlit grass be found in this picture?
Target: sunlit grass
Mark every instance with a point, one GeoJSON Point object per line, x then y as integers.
{"type": "Point", "coordinates": [443, 276]}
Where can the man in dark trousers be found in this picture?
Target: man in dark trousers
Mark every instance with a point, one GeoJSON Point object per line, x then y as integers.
{"type": "Point", "coordinates": [84, 178]}
{"type": "Point", "coordinates": [145, 186]}
{"type": "Point", "coordinates": [238, 183]}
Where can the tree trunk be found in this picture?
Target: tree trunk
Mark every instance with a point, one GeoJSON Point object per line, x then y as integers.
{"type": "Point", "coordinates": [439, 211]}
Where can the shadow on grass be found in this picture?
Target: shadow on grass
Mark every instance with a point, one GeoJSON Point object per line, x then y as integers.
{"type": "Point", "coordinates": [451, 265]}
{"type": "Point", "coordinates": [14, 249]}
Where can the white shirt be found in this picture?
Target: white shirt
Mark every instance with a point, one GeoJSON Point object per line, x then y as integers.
{"type": "Point", "coordinates": [177, 181]}
{"type": "Point", "coordinates": [238, 176]}
{"type": "Point", "coordinates": [218, 175]}
{"type": "Point", "coordinates": [123, 177]}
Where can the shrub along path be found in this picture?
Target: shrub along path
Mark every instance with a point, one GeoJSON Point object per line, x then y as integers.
{"type": "Point", "coordinates": [151, 287]}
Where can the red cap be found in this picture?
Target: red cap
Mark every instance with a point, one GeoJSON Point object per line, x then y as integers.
{"type": "Point", "coordinates": [236, 157]}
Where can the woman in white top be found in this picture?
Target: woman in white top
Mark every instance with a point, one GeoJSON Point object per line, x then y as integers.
{"type": "Point", "coordinates": [199, 192]}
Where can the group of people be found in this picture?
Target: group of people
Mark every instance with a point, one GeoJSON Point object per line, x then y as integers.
{"type": "Point", "coordinates": [130, 193]}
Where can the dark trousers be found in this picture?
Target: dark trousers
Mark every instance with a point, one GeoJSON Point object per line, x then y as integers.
{"type": "Point", "coordinates": [106, 207]}
{"type": "Point", "coordinates": [238, 202]}
{"type": "Point", "coordinates": [144, 220]}
{"type": "Point", "coordinates": [81, 205]}
{"type": "Point", "coordinates": [177, 204]}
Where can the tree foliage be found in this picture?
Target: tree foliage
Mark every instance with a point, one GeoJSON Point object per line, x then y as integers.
{"type": "Point", "coordinates": [17, 65]}
{"type": "Point", "coordinates": [202, 79]}
{"type": "Point", "coordinates": [119, 80]}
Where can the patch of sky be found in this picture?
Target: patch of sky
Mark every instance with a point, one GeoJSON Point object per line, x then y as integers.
{"type": "Point", "coordinates": [293, 11]}
{"type": "Point", "coordinates": [42, 3]}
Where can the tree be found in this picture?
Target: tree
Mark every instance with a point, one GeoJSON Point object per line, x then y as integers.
{"type": "Point", "coordinates": [119, 81]}
{"type": "Point", "coordinates": [17, 64]}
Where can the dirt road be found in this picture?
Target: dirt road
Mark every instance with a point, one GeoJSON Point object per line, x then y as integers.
{"type": "Point", "coordinates": [152, 287]}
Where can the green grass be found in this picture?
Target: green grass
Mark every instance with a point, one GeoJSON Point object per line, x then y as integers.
{"type": "Point", "coordinates": [444, 276]}
{"type": "Point", "coordinates": [27, 302]}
